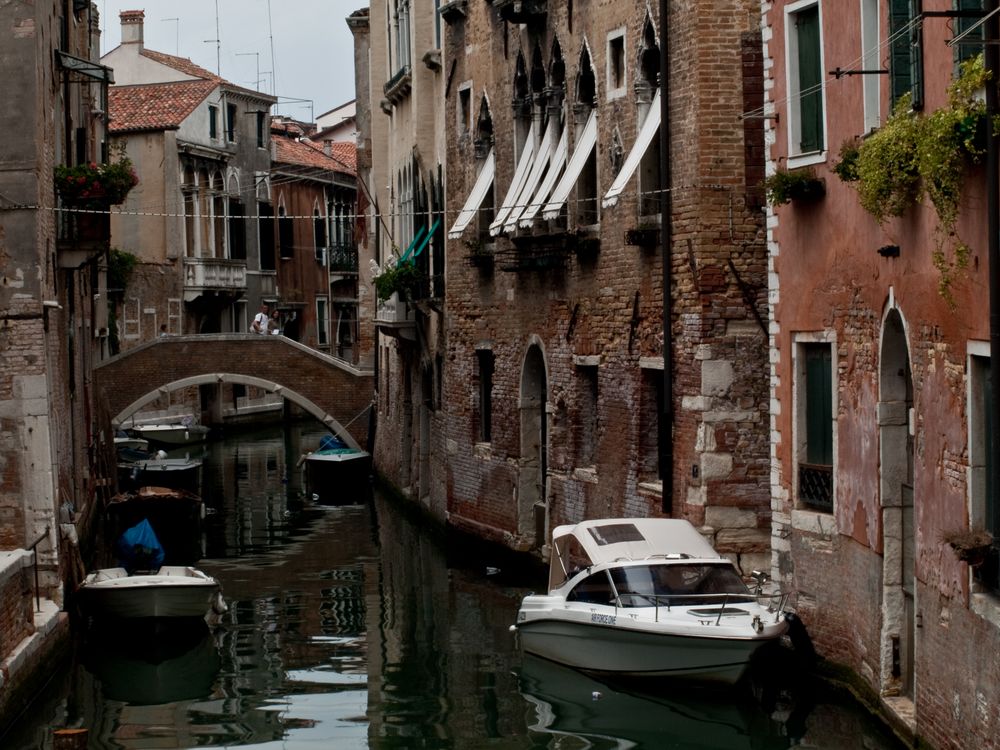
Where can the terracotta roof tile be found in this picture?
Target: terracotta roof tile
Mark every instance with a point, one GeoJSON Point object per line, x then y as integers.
{"type": "Point", "coordinates": [308, 154]}
{"type": "Point", "coordinates": [181, 64]}
{"type": "Point", "coordinates": [155, 106]}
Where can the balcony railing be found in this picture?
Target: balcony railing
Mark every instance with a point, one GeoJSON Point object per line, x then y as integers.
{"type": "Point", "coordinates": [396, 317]}
{"type": "Point", "coordinates": [522, 11]}
{"type": "Point", "coordinates": [398, 87]}
{"type": "Point", "coordinates": [343, 258]}
{"type": "Point", "coordinates": [82, 234]}
{"type": "Point", "coordinates": [203, 275]}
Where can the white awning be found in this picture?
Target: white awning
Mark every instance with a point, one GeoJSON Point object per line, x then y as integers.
{"type": "Point", "coordinates": [475, 199]}
{"type": "Point", "coordinates": [517, 183]}
{"type": "Point", "coordinates": [545, 189]}
{"type": "Point", "coordinates": [650, 127]}
{"type": "Point", "coordinates": [583, 148]}
{"type": "Point", "coordinates": [541, 161]}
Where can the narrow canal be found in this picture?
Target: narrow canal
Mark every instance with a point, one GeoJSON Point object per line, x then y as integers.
{"type": "Point", "coordinates": [354, 626]}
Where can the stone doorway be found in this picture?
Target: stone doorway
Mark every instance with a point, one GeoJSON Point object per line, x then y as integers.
{"type": "Point", "coordinates": [895, 417]}
{"type": "Point", "coordinates": [532, 495]}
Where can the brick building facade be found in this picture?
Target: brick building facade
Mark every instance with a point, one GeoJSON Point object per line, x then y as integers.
{"type": "Point", "coordinates": [553, 383]}
{"type": "Point", "coordinates": [523, 387]}
{"type": "Point", "coordinates": [880, 367]}
{"type": "Point", "coordinates": [52, 327]}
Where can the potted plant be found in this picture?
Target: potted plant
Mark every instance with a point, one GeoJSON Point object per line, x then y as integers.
{"type": "Point", "coordinates": [800, 185]}
{"type": "Point", "coordinates": [970, 545]}
{"type": "Point", "coordinates": [401, 278]}
{"type": "Point", "coordinates": [95, 185]}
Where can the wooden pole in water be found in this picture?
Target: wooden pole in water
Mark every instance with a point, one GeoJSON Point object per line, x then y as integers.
{"type": "Point", "coordinates": [69, 739]}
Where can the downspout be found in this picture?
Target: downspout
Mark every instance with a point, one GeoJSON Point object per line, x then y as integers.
{"type": "Point", "coordinates": [665, 438]}
{"type": "Point", "coordinates": [992, 56]}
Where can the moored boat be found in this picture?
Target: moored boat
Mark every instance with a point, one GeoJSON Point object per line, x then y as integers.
{"type": "Point", "coordinates": [171, 591]}
{"type": "Point", "coordinates": [642, 597]}
{"type": "Point", "coordinates": [137, 468]}
{"type": "Point", "coordinates": [175, 514]}
{"type": "Point", "coordinates": [337, 472]}
{"type": "Point", "coordinates": [172, 434]}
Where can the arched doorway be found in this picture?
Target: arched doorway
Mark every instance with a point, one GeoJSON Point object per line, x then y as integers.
{"type": "Point", "coordinates": [896, 491]}
{"type": "Point", "coordinates": [532, 495]}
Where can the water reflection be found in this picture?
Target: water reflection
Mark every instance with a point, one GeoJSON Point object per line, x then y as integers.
{"type": "Point", "coordinates": [353, 626]}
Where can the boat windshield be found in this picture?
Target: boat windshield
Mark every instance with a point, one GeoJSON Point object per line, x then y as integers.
{"type": "Point", "coordinates": [679, 584]}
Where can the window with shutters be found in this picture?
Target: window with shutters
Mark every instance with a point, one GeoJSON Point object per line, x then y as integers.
{"type": "Point", "coordinates": [968, 30]}
{"type": "Point", "coordinates": [806, 94]}
{"type": "Point", "coordinates": [906, 59]}
{"type": "Point", "coordinates": [984, 510]}
{"type": "Point", "coordinates": [814, 422]}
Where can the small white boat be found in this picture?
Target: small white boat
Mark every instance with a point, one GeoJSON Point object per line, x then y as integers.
{"type": "Point", "coordinates": [643, 597]}
{"type": "Point", "coordinates": [172, 434]}
{"type": "Point", "coordinates": [136, 469]}
{"type": "Point", "coordinates": [174, 591]}
{"type": "Point", "coordinates": [337, 472]}
{"type": "Point", "coordinates": [124, 440]}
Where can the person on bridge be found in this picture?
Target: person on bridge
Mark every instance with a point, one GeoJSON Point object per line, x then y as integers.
{"type": "Point", "coordinates": [259, 324]}
{"type": "Point", "coordinates": [274, 325]}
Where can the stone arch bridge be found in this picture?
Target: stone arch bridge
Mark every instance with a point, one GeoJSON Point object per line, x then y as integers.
{"type": "Point", "coordinates": [329, 389]}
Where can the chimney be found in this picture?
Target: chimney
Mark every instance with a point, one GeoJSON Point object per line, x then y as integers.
{"type": "Point", "coordinates": [132, 26]}
{"type": "Point", "coordinates": [327, 149]}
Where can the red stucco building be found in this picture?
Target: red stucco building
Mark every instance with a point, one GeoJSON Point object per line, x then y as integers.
{"type": "Point", "coordinates": [879, 364]}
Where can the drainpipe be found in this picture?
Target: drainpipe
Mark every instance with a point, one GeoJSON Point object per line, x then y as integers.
{"type": "Point", "coordinates": [666, 431]}
{"type": "Point", "coordinates": [993, 228]}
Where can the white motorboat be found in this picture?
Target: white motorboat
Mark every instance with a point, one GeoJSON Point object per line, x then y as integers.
{"type": "Point", "coordinates": [137, 468]}
{"type": "Point", "coordinates": [643, 597]}
{"type": "Point", "coordinates": [337, 472]}
{"type": "Point", "coordinates": [172, 434]}
{"type": "Point", "coordinates": [174, 591]}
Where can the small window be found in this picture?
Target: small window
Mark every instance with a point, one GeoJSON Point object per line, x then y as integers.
{"type": "Point", "coordinates": [465, 110]}
{"type": "Point", "coordinates": [595, 589]}
{"type": "Point", "coordinates": [237, 230]}
{"type": "Point", "coordinates": [213, 122]}
{"type": "Point", "coordinates": [805, 79]}
{"type": "Point", "coordinates": [870, 84]}
{"type": "Point", "coordinates": [231, 123]}
{"type": "Point", "coordinates": [322, 323]}
{"type": "Point", "coordinates": [587, 400]}
{"type": "Point", "coordinates": [485, 412]}
{"type": "Point", "coordinates": [616, 64]}
{"type": "Point", "coordinates": [971, 43]}
{"type": "Point", "coordinates": [261, 119]}
{"type": "Point", "coordinates": [286, 235]}
{"type": "Point", "coordinates": [175, 319]}
{"type": "Point", "coordinates": [985, 510]}
{"type": "Point", "coordinates": [906, 59]}
{"type": "Point", "coordinates": [319, 233]}
{"type": "Point", "coordinates": [815, 425]}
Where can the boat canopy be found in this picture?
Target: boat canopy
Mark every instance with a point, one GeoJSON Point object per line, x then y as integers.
{"type": "Point", "coordinates": [608, 540]}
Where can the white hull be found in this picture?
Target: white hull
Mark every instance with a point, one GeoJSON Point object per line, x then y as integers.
{"type": "Point", "coordinates": [639, 651]}
{"type": "Point", "coordinates": [172, 434]}
{"type": "Point", "coordinates": [173, 591]}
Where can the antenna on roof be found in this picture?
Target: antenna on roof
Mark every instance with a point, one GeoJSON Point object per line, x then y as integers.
{"type": "Point", "coordinates": [218, 43]}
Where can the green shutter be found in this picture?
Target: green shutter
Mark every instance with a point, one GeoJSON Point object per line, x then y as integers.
{"type": "Point", "coordinates": [807, 35]}
{"type": "Point", "coordinates": [917, 57]}
{"type": "Point", "coordinates": [972, 44]}
{"type": "Point", "coordinates": [819, 405]}
{"type": "Point", "coordinates": [992, 513]}
{"type": "Point", "coordinates": [900, 73]}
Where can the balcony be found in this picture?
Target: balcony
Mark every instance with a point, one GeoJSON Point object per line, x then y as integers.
{"type": "Point", "coordinates": [396, 317]}
{"type": "Point", "coordinates": [214, 276]}
{"type": "Point", "coordinates": [81, 236]}
{"type": "Point", "coordinates": [522, 11]}
{"type": "Point", "coordinates": [398, 87]}
{"type": "Point", "coordinates": [343, 260]}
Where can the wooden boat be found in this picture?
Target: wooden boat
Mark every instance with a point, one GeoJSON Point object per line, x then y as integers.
{"type": "Point", "coordinates": [176, 516]}
{"type": "Point", "coordinates": [644, 597]}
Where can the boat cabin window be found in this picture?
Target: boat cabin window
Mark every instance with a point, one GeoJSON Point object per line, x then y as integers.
{"type": "Point", "coordinates": [569, 560]}
{"type": "Point", "coordinates": [595, 589]}
{"type": "Point", "coordinates": [679, 584]}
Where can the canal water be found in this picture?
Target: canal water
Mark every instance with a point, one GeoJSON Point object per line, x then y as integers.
{"type": "Point", "coordinates": [356, 626]}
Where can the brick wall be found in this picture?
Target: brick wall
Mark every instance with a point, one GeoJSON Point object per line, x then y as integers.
{"type": "Point", "coordinates": [339, 391]}
{"type": "Point", "coordinates": [16, 609]}
{"type": "Point", "coordinates": [607, 308]}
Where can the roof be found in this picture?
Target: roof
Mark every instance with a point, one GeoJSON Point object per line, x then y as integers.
{"type": "Point", "coordinates": [609, 539]}
{"type": "Point", "coordinates": [181, 64]}
{"type": "Point", "coordinates": [308, 154]}
{"type": "Point", "coordinates": [155, 106]}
